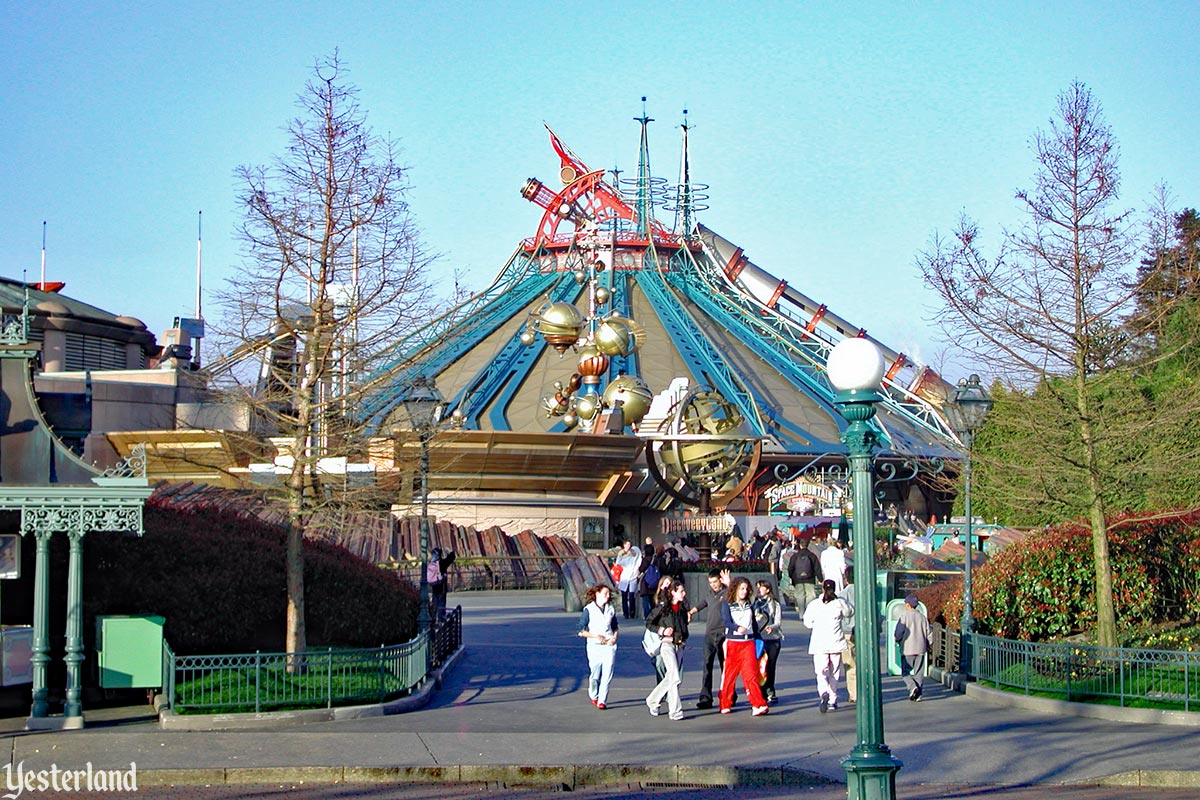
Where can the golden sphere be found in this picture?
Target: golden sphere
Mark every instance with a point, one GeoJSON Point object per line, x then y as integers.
{"type": "Point", "coordinates": [603, 295]}
{"type": "Point", "coordinates": [587, 406]}
{"type": "Point", "coordinates": [527, 338]}
{"type": "Point", "coordinates": [634, 395]}
{"type": "Point", "coordinates": [615, 338]}
{"type": "Point", "coordinates": [560, 324]}
{"type": "Point", "coordinates": [569, 421]}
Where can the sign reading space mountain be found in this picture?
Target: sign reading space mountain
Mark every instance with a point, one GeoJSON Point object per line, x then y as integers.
{"type": "Point", "coordinates": [803, 494]}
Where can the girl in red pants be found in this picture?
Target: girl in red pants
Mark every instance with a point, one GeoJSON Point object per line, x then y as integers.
{"type": "Point", "coordinates": [740, 658]}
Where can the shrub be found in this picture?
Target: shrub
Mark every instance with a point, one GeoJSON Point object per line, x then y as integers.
{"type": "Point", "coordinates": [219, 580]}
{"type": "Point", "coordinates": [1043, 587]}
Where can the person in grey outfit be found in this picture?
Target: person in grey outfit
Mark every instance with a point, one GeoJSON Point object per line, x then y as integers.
{"type": "Point", "coordinates": [714, 631]}
{"type": "Point", "coordinates": [914, 636]}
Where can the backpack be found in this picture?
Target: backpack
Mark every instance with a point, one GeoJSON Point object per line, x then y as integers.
{"type": "Point", "coordinates": [805, 565]}
{"type": "Point", "coordinates": [652, 576]}
{"type": "Point", "coordinates": [433, 572]}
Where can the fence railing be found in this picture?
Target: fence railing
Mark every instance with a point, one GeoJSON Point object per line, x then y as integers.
{"type": "Point", "coordinates": [1126, 676]}
{"type": "Point", "coordinates": [316, 678]}
{"type": "Point", "coordinates": [487, 573]}
{"type": "Point", "coordinates": [1083, 672]}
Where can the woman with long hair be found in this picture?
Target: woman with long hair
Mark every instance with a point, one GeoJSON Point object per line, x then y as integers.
{"type": "Point", "coordinates": [741, 630]}
{"type": "Point", "coordinates": [669, 619]}
{"type": "Point", "coordinates": [768, 613]}
{"type": "Point", "coordinates": [598, 624]}
{"type": "Point", "coordinates": [827, 617]}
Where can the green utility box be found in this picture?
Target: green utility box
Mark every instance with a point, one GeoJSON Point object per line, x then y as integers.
{"type": "Point", "coordinates": [894, 655]}
{"type": "Point", "coordinates": [129, 651]}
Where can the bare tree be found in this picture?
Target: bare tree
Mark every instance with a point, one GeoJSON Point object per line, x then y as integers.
{"type": "Point", "coordinates": [333, 273]}
{"type": "Point", "coordinates": [1044, 316]}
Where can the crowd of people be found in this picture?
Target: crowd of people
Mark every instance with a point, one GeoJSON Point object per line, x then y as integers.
{"type": "Point", "coordinates": [743, 625]}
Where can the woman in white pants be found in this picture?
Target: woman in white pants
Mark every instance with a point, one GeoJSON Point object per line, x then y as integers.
{"type": "Point", "coordinates": [826, 617]}
{"type": "Point", "coordinates": [669, 619]}
{"type": "Point", "coordinates": [598, 624]}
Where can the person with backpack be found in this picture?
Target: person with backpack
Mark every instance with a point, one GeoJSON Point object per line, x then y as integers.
{"type": "Point", "coordinates": [650, 575]}
{"type": "Point", "coordinates": [802, 571]}
{"type": "Point", "coordinates": [435, 576]}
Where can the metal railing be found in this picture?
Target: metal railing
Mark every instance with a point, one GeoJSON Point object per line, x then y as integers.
{"type": "Point", "coordinates": [1085, 673]}
{"type": "Point", "coordinates": [257, 682]}
{"type": "Point", "coordinates": [487, 573]}
{"type": "Point", "coordinates": [1089, 673]}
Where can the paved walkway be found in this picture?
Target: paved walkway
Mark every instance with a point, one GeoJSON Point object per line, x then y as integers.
{"type": "Point", "coordinates": [517, 698]}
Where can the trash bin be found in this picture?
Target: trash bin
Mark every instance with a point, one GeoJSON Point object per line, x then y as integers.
{"type": "Point", "coordinates": [129, 651]}
{"type": "Point", "coordinates": [894, 656]}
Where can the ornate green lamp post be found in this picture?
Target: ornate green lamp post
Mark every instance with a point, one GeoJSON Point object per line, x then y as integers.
{"type": "Point", "coordinates": [855, 369]}
{"type": "Point", "coordinates": [966, 413]}
{"type": "Point", "coordinates": [425, 407]}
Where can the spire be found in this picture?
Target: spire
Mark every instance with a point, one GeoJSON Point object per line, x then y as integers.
{"type": "Point", "coordinates": [645, 203]}
{"type": "Point", "coordinates": [689, 197]}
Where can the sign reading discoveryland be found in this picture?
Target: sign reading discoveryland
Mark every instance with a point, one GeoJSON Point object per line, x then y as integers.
{"type": "Point", "coordinates": [803, 495]}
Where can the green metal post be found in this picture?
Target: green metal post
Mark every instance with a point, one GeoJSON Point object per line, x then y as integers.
{"type": "Point", "coordinates": [968, 620]}
{"type": "Point", "coordinates": [41, 624]}
{"type": "Point", "coordinates": [870, 767]}
{"type": "Point", "coordinates": [423, 617]}
{"type": "Point", "coordinates": [74, 649]}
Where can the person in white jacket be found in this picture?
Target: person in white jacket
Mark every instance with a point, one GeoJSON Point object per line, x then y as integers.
{"type": "Point", "coordinates": [828, 617]}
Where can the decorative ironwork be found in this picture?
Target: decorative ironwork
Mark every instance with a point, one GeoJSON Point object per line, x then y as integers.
{"type": "Point", "coordinates": [133, 466]}
{"type": "Point", "coordinates": [14, 329]}
{"type": "Point", "coordinates": [837, 475]}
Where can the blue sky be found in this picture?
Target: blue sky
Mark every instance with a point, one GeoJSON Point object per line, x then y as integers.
{"type": "Point", "coordinates": [835, 137]}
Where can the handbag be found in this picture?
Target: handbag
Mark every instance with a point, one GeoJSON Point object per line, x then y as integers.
{"type": "Point", "coordinates": [651, 642]}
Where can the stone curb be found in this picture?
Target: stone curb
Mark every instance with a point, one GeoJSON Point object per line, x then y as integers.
{"type": "Point", "coordinates": [170, 721]}
{"type": "Point", "coordinates": [571, 776]}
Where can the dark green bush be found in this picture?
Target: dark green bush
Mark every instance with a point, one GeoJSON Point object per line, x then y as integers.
{"type": "Point", "coordinates": [1043, 587]}
{"type": "Point", "coordinates": [219, 581]}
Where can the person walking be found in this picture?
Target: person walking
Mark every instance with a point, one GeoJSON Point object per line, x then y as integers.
{"type": "Point", "coordinates": [826, 617]}
{"type": "Point", "coordinates": [630, 562]}
{"type": "Point", "coordinates": [714, 632]}
{"type": "Point", "coordinates": [768, 613]}
{"type": "Point", "coordinates": [833, 561]}
{"type": "Point", "coordinates": [802, 571]}
{"type": "Point", "coordinates": [913, 635]}
{"type": "Point", "coordinates": [436, 576]}
{"type": "Point", "coordinates": [670, 621]}
{"type": "Point", "coordinates": [649, 582]}
{"type": "Point", "coordinates": [598, 624]}
{"type": "Point", "coordinates": [849, 662]}
{"type": "Point", "coordinates": [741, 661]}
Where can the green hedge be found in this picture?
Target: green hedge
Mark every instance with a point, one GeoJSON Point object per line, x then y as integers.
{"type": "Point", "coordinates": [1043, 587]}
{"type": "Point", "coordinates": [219, 580]}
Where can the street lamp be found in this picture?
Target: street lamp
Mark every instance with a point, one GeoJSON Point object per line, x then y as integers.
{"type": "Point", "coordinates": [425, 407]}
{"type": "Point", "coordinates": [855, 369]}
{"type": "Point", "coordinates": [966, 413]}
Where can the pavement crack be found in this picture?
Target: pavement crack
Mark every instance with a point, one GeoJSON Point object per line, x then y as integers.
{"type": "Point", "coordinates": [425, 744]}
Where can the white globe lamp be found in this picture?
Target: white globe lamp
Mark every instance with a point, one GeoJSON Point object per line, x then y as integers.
{"type": "Point", "coordinates": [855, 364]}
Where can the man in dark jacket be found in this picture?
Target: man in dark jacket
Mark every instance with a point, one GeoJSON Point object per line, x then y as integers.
{"type": "Point", "coordinates": [714, 631]}
{"type": "Point", "coordinates": [802, 570]}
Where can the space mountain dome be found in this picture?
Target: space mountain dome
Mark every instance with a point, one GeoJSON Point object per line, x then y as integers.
{"type": "Point", "coordinates": [609, 326]}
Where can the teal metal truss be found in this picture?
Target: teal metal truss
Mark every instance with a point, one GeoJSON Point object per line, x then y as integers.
{"type": "Point", "coordinates": [433, 348]}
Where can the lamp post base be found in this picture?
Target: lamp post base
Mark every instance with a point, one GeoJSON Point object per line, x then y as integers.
{"type": "Point", "coordinates": [871, 773]}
